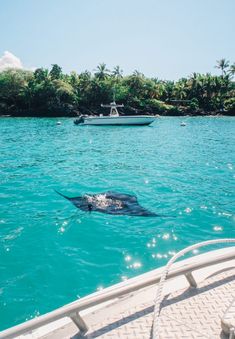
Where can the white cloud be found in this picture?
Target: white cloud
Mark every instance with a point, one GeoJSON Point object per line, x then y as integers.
{"type": "Point", "coordinates": [9, 60]}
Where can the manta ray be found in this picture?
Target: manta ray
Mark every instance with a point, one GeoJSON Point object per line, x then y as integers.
{"type": "Point", "coordinates": [110, 203]}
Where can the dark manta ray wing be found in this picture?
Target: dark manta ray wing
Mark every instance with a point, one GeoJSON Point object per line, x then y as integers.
{"type": "Point", "coordinates": [136, 210]}
{"type": "Point", "coordinates": [79, 202]}
{"type": "Point", "coordinates": [126, 204]}
{"type": "Point", "coordinates": [120, 196]}
{"type": "Point", "coordinates": [82, 203]}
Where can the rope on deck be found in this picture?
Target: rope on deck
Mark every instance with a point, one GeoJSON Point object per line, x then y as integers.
{"type": "Point", "coordinates": [159, 295]}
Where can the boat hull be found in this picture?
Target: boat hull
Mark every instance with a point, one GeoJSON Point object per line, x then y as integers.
{"type": "Point", "coordinates": [118, 120]}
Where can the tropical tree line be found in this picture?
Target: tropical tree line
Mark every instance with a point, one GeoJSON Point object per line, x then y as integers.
{"type": "Point", "coordinates": [52, 93]}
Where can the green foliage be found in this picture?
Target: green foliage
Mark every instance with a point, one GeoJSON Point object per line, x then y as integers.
{"type": "Point", "coordinates": [194, 105]}
{"type": "Point", "coordinates": [13, 89]}
{"type": "Point", "coordinates": [229, 105]}
{"type": "Point", "coordinates": [156, 106]}
{"type": "Point", "coordinates": [56, 72]}
{"type": "Point", "coordinates": [50, 92]}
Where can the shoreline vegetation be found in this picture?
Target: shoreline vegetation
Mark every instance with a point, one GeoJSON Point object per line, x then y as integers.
{"type": "Point", "coordinates": [45, 93]}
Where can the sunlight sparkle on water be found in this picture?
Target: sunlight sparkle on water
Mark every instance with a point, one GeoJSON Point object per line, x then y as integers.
{"type": "Point", "coordinates": [159, 256]}
{"type": "Point", "coordinates": [218, 228]}
{"type": "Point", "coordinates": [34, 315]}
{"type": "Point", "coordinates": [124, 278]}
{"type": "Point", "coordinates": [152, 243]}
{"type": "Point", "coordinates": [166, 236]}
{"type": "Point", "coordinates": [128, 258]}
{"type": "Point", "coordinates": [136, 265]}
{"type": "Point", "coordinates": [227, 214]}
{"type": "Point", "coordinates": [100, 288]}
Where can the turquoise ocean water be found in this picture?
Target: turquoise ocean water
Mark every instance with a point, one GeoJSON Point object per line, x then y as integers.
{"type": "Point", "coordinates": [52, 253]}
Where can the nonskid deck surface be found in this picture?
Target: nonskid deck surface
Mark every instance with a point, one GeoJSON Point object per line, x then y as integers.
{"type": "Point", "coordinates": [186, 313]}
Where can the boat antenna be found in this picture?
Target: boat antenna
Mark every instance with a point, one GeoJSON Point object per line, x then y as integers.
{"type": "Point", "coordinates": [114, 94]}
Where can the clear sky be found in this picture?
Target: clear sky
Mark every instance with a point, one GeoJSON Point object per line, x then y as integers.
{"type": "Point", "coordinates": [167, 39]}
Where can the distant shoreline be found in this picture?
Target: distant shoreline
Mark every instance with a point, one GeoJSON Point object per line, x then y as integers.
{"type": "Point", "coordinates": [51, 93]}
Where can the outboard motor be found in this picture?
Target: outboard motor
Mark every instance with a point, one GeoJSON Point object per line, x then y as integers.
{"type": "Point", "coordinates": [78, 121]}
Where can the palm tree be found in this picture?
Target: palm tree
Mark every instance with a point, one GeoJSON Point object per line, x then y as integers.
{"type": "Point", "coordinates": [180, 91]}
{"type": "Point", "coordinates": [101, 72]}
{"type": "Point", "coordinates": [117, 72]}
{"type": "Point", "coordinates": [222, 64]}
{"type": "Point", "coordinates": [168, 88]}
{"type": "Point", "coordinates": [136, 83]}
{"type": "Point", "coordinates": [137, 74]}
{"type": "Point", "coordinates": [232, 70]}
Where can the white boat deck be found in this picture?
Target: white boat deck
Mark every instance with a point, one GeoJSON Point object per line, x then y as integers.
{"type": "Point", "coordinates": [187, 312]}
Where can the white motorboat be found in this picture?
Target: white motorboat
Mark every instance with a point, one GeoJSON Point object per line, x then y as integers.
{"type": "Point", "coordinates": [114, 118]}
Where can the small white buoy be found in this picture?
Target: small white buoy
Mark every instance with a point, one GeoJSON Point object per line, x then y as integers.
{"type": "Point", "coordinates": [58, 123]}
{"type": "Point", "coordinates": [183, 124]}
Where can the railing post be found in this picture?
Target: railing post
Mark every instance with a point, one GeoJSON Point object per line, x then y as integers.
{"type": "Point", "coordinates": [192, 282]}
{"type": "Point", "coordinates": [79, 322]}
